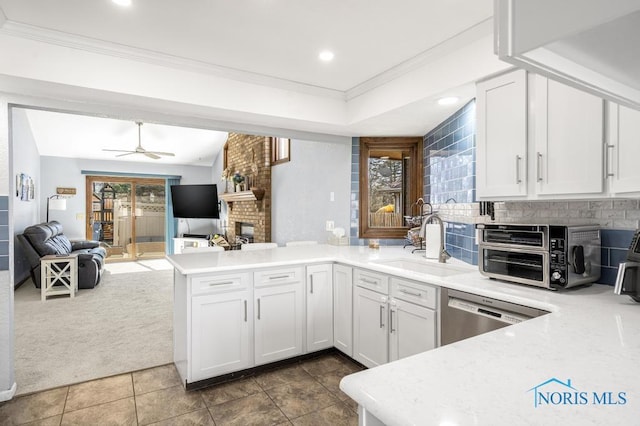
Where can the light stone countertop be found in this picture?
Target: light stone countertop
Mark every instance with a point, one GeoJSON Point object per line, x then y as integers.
{"type": "Point", "coordinates": [591, 337]}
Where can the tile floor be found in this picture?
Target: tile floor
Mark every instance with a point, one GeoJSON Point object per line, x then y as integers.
{"type": "Point", "coordinates": [305, 393]}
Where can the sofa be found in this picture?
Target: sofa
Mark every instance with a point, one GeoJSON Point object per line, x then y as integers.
{"type": "Point", "coordinates": [48, 239]}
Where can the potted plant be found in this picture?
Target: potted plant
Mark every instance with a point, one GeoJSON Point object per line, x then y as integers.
{"type": "Point", "coordinates": [238, 180]}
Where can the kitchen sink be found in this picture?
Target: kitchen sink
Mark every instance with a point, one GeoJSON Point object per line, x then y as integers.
{"type": "Point", "coordinates": [437, 269]}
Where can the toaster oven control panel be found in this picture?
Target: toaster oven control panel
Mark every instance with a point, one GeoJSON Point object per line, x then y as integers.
{"type": "Point", "coordinates": [558, 260]}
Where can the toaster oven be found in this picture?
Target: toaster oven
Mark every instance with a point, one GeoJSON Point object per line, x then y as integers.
{"type": "Point", "coordinates": [548, 256]}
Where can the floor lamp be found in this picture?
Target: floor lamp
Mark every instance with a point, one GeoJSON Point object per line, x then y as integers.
{"type": "Point", "coordinates": [55, 202]}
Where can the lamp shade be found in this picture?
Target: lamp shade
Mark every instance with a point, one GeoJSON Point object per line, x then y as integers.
{"type": "Point", "coordinates": [57, 204]}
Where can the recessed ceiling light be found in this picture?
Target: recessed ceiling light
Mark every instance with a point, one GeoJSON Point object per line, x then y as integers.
{"type": "Point", "coordinates": [122, 2]}
{"type": "Point", "coordinates": [449, 100]}
{"type": "Point", "coordinates": [326, 55]}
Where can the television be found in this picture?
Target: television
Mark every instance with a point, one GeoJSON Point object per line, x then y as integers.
{"type": "Point", "coordinates": [195, 201]}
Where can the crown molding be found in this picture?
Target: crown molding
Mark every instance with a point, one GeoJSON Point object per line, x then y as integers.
{"type": "Point", "coordinates": [87, 44]}
{"type": "Point", "coordinates": [465, 37]}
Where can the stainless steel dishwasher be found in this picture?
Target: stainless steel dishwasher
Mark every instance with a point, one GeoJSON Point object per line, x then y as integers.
{"type": "Point", "coordinates": [465, 315]}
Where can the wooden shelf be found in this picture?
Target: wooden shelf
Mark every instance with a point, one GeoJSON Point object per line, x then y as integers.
{"type": "Point", "coordinates": [254, 194]}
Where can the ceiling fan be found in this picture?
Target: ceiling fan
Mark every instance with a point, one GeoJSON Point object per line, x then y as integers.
{"type": "Point", "coordinates": [140, 150]}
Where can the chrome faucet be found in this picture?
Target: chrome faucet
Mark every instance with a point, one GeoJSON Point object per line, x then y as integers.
{"type": "Point", "coordinates": [443, 255]}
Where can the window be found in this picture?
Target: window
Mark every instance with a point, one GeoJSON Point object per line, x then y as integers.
{"type": "Point", "coordinates": [280, 150]}
{"type": "Point", "coordinates": [390, 180]}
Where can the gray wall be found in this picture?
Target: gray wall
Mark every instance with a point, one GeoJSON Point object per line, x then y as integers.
{"type": "Point", "coordinates": [26, 159]}
{"type": "Point", "coordinates": [301, 191]}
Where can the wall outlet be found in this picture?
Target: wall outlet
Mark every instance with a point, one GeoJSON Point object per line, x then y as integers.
{"type": "Point", "coordinates": [330, 225]}
{"type": "Point", "coordinates": [332, 196]}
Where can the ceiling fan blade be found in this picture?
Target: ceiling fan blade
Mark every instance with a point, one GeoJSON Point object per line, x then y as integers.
{"type": "Point", "coordinates": [117, 150]}
{"type": "Point", "coordinates": [151, 155]}
{"type": "Point", "coordinates": [168, 154]}
{"type": "Point", "coordinates": [127, 153]}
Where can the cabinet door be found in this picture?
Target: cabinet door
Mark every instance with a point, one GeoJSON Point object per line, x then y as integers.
{"type": "Point", "coordinates": [412, 329]}
{"type": "Point", "coordinates": [623, 149]}
{"type": "Point", "coordinates": [568, 140]}
{"type": "Point", "coordinates": [370, 335]}
{"type": "Point", "coordinates": [501, 136]}
{"type": "Point", "coordinates": [278, 322]}
{"type": "Point", "coordinates": [220, 334]}
{"type": "Point", "coordinates": [319, 307]}
{"type": "Point", "coordinates": [343, 309]}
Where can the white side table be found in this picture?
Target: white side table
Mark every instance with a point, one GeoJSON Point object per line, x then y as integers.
{"type": "Point", "coordinates": [58, 275]}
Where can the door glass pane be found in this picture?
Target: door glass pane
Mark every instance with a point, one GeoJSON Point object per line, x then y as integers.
{"type": "Point", "coordinates": [150, 220]}
{"type": "Point", "coordinates": [111, 217]}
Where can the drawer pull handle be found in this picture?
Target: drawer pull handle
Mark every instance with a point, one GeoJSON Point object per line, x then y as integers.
{"type": "Point", "coordinates": [410, 293]}
{"type": "Point", "coordinates": [213, 283]}
{"type": "Point", "coordinates": [311, 278]}
{"type": "Point", "coordinates": [381, 315]}
{"type": "Point", "coordinates": [518, 159]}
{"type": "Point", "coordinates": [369, 281]}
{"type": "Point", "coordinates": [258, 308]}
{"type": "Point", "coordinates": [279, 277]}
{"type": "Point", "coordinates": [245, 311]}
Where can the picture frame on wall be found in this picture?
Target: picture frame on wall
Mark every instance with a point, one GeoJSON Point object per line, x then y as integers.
{"type": "Point", "coordinates": [280, 150]}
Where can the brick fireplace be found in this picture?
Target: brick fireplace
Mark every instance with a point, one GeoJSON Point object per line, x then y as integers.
{"type": "Point", "coordinates": [250, 156]}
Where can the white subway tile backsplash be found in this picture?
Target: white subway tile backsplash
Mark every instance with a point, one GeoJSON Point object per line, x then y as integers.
{"type": "Point", "coordinates": [625, 204]}
{"type": "Point", "coordinates": [625, 224]}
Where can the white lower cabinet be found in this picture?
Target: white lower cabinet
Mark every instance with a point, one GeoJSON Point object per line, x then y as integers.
{"type": "Point", "coordinates": [218, 318]}
{"type": "Point", "coordinates": [229, 322]}
{"type": "Point", "coordinates": [319, 307]}
{"type": "Point", "coordinates": [411, 329]}
{"type": "Point", "coordinates": [370, 336]}
{"type": "Point", "coordinates": [390, 328]}
{"type": "Point", "coordinates": [279, 314]}
{"type": "Point", "coordinates": [343, 309]}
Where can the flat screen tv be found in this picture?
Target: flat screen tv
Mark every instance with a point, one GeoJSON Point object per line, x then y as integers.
{"type": "Point", "coordinates": [195, 201]}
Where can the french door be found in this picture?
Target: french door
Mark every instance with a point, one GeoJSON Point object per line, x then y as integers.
{"type": "Point", "coordinates": [127, 215]}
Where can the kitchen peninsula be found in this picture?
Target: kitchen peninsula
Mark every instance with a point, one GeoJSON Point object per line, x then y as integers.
{"type": "Point", "coordinates": [584, 352]}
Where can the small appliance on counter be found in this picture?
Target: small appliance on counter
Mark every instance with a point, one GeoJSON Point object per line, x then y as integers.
{"type": "Point", "coordinates": [548, 256]}
{"type": "Point", "coordinates": [628, 279]}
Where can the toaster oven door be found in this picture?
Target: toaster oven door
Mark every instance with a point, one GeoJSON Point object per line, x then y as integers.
{"type": "Point", "coordinates": [517, 265]}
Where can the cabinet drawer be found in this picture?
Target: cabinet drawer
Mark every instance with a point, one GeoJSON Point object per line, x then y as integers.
{"type": "Point", "coordinates": [414, 292]}
{"type": "Point", "coordinates": [371, 280]}
{"type": "Point", "coordinates": [278, 276]}
{"type": "Point", "coordinates": [219, 283]}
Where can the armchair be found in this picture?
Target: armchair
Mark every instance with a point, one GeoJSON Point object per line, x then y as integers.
{"type": "Point", "coordinates": [48, 238]}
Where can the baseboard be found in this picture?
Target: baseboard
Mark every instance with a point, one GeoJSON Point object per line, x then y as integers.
{"type": "Point", "coordinates": [6, 395]}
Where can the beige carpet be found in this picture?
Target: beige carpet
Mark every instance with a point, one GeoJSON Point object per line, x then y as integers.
{"type": "Point", "coordinates": [122, 325]}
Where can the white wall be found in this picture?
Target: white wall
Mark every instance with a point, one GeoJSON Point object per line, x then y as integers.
{"type": "Point", "coordinates": [7, 378]}
{"type": "Point", "coordinates": [26, 159]}
{"type": "Point", "coordinates": [67, 172]}
{"type": "Point", "coordinates": [301, 191]}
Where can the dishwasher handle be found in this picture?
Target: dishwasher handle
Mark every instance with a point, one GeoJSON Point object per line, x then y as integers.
{"type": "Point", "coordinates": [486, 311]}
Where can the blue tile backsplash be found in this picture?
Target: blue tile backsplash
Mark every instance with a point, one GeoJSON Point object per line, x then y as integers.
{"type": "Point", "coordinates": [615, 244]}
{"type": "Point", "coordinates": [449, 158]}
{"type": "Point", "coordinates": [4, 233]}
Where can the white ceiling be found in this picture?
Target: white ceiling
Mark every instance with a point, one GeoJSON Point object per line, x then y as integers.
{"type": "Point", "coordinates": [80, 136]}
{"type": "Point", "coordinates": [271, 44]}
{"type": "Point", "coordinates": [276, 38]}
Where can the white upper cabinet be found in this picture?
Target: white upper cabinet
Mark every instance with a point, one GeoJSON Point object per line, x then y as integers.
{"type": "Point", "coordinates": [623, 150]}
{"type": "Point", "coordinates": [501, 108]}
{"type": "Point", "coordinates": [568, 139]}
{"type": "Point", "coordinates": [538, 139]}
{"type": "Point", "coordinates": [589, 44]}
